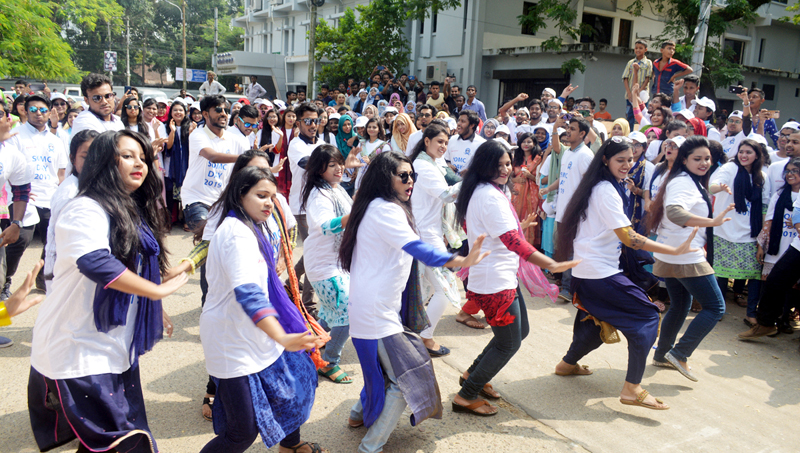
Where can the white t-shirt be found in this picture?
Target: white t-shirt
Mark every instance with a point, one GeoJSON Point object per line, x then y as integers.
{"type": "Point", "coordinates": [379, 271]}
{"type": "Point", "coordinates": [682, 191]}
{"type": "Point", "coordinates": [653, 182]}
{"type": "Point", "coordinates": [65, 192]}
{"type": "Point", "coordinates": [731, 145]}
{"type": "Point", "coordinates": [45, 155]}
{"type": "Point", "coordinates": [298, 149]}
{"type": "Point", "coordinates": [66, 343]}
{"type": "Point", "coordinates": [88, 120]}
{"type": "Point", "coordinates": [653, 149]}
{"type": "Point", "coordinates": [368, 148]}
{"type": "Point", "coordinates": [413, 139]}
{"type": "Point", "coordinates": [774, 158]}
{"type": "Point", "coordinates": [738, 229]}
{"type": "Point", "coordinates": [233, 345]}
{"type": "Point", "coordinates": [427, 204]}
{"type": "Point", "coordinates": [320, 253]}
{"type": "Point", "coordinates": [596, 243]}
{"type": "Point", "coordinates": [713, 133]}
{"type": "Point", "coordinates": [246, 142]}
{"type": "Point", "coordinates": [788, 234]}
{"type": "Point", "coordinates": [205, 180]}
{"type": "Point", "coordinates": [489, 212]}
{"type": "Point", "coordinates": [573, 165]}
{"type": "Point", "coordinates": [211, 88]}
{"type": "Point", "coordinates": [775, 180]}
{"type": "Point", "coordinates": [796, 240]}
{"type": "Point", "coordinates": [214, 216]}
{"type": "Point", "coordinates": [459, 152]}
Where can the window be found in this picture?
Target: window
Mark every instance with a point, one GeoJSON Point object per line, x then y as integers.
{"type": "Point", "coordinates": [738, 49]}
{"type": "Point", "coordinates": [625, 27]}
{"type": "Point", "coordinates": [422, 25]}
{"type": "Point", "coordinates": [761, 50]}
{"type": "Point", "coordinates": [601, 27]}
{"type": "Point", "coordinates": [435, 20]}
{"type": "Point", "coordinates": [466, 9]}
{"type": "Point", "coordinates": [769, 92]}
{"type": "Point", "coordinates": [527, 7]}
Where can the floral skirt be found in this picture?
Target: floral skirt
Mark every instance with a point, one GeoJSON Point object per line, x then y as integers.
{"type": "Point", "coordinates": [736, 260]}
{"type": "Point", "coordinates": [333, 299]}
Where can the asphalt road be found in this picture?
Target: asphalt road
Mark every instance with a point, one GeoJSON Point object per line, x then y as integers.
{"type": "Point", "coordinates": [747, 397]}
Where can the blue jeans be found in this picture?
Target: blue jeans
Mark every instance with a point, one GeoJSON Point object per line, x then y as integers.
{"type": "Point", "coordinates": [500, 349]}
{"type": "Point", "coordinates": [681, 290]}
{"type": "Point", "coordinates": [333, 349]}
{"type": "Point", "coordinates": [629, 114]}
{"type": "Point", "coordinates": [753, 292]}
{"type": "Point", "coordinates": [194, 214]}
{"type": "Point", "coordinates": [393, 408]}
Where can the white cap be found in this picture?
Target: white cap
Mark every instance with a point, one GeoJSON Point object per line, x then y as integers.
{"type": "Point", "coordinates": [279, 105]}
{"type": "Point", "coordinates": [56, 95]}
{"type": "Point", "coordinates": [503, 128]}
{"type": "Point", "coordinates": [686, 113]}
{"type": "Point", "coordinates": [644, 96]}
{"type": "Point", "coordinates": [560, 131]}
{"type": "Point", "coordinates": [361, 121]}
{"type": "Point", "coordinates": [502, 141]}
{"type": "Point", "coordinates": [735, 114]}
{"type": "Point", "coordinates": [707, 103]}
{"type": "Point", "coordinates": [678, 140]}
{"type": "Point", "coordinates": [334, 116]}
{"type": "Point", "coordinates": [266, 102]}
{"type": "Point", "coordinates": [791, 125]}
{"type": "Point", "coordinates": [451, 123]}
{"type": "Point", "coordinates": [758, 138]}
{"type": "Point", "coordinates": [556, 101]}
{"type": "Point", "coordinates": [638, 137]}
{"type": "Point", "coordinates": [551, 91]}
{"type": "Point", "coordinates": [162, 100]}
{"type": "Point", "coordinates": [390, 109]}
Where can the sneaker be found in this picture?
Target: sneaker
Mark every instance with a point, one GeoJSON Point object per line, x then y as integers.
{"type": "Point", "coordinates": [6, 292]}
{"type": "Point", "coordinates": [40, 282]}
{"type": "Point", "coordinates": [5, 342]}
{"type": "Point", "coordinates": [686, 372]}
{"type": "Point", "coordinates": [564, 297]}
{"type": "Point", "coordinates": [757, 331]}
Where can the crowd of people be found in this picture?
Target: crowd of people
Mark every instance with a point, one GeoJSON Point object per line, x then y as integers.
{"type": "Point", "coordinates": [400, 197]}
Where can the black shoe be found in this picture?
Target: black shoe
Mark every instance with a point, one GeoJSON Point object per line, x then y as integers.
{"type": "Point", "coordinates": [6, 292]}
{"type": "Point", "coordinates": [40, 282]}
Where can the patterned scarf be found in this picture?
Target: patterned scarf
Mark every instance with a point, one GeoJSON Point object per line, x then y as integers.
{"type": "Point", "coordinates": [635, 205]}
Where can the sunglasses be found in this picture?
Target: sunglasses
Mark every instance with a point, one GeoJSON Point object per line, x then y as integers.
{"type": "Point", "coordinates": [59, 104]}
{"type": "Point", "coordinates": [249, 125]}
{"type": "Point", "coordinates": [131, 107]}
{"type": "Point", "coordinates": [425, 115]}
{"type": "Point", "coordinates": [222, 109]}
{"type": "Point", "coordinates": [310, 121]}
{"type": "Point", "coordinates": [405, 175]}
{"type": "Point", "coordinates": [108, 96]}
{"type": "Point", "coordinates": [42, 110]}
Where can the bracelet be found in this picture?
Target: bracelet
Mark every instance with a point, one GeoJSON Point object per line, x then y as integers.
{"type": "Point", "coordinates": [746, 105]}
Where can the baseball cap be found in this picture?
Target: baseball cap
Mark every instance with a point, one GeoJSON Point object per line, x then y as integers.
{"type": "Point", "coordinates": [334, 116]}
{"type": "Point", "coordinates": [361, 121]}
{"type": "Point", "coordinates": [707, 103]}
{"type": "Point", "coordinates": [735, 114]}
{"type": "Point", "coordinates": [390, 109]}
{"type": "Point", "coordinates": [503, 128]}
{"type": "Point", "coordinates": [637, 136]}
{"type": "Point", "coordinates": [678, 140]}
{"type": "Point", "coordinates": [791, 125]}
{"type": "Point", "coordinates": [686, 113]}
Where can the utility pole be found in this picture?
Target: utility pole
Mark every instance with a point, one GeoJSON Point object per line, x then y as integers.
{"type": "Point", "coordinates": [183, 18]}
{"type": "Point", "coordinates": [128, 51]}
{"type": "Point", "coordinates": [216, 39]}
{"type": "Point", "coordinates": [110, 73]}
{"type": "Point", "coordinates": [700, 36]}
{"type": "Point", "coordinates": [143, 56]}
{"type": "Point", "coordinates": [312, 44]}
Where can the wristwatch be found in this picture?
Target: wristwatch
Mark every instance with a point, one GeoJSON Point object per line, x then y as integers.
{"type": "Point", "coordinates": [17, 223]}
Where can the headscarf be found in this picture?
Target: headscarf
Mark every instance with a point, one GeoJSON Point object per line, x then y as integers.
{"type": "Point", "coordinates": [411, 107]}
{"type": "Point", "coordinates": [623, 123]}
{"type": "Point", "coordinates": [165, 117]}
{"type": "Point", "coordinates": [546, 143]}
{"type": "Point", "coordinates": [382, 104]}
{"type": "Point", "coordinates": [370, 106]}
{"type": "Point", "coordinates": [394, 97]}
{"type": "Point", "coordinates": [649, 128]}
{"type": "Point", "coordinates": [699, 127]}
{"type": "Point", "coordinates": [342, 138]}
{"type": "Point", "coordinates": [399, 106]}
{"type": "Point", "coordinates": [402, 139]}
{"type": "Point", "coordinates": [442, 115]}
{"type": "Point", "coordinates": [493, 121]}
{"type": "Point", "coordinates": [372, 98]}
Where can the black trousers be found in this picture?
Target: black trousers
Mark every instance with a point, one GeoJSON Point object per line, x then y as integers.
{"type": "Point", "coordinates": [778, 286]}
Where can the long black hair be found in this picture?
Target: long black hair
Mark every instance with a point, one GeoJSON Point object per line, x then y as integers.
{"type": "Point", "coordinates": [184, 137]}
{"type": "Point", "coordinates": [19, 100]}
{"type": "Point", "coordinates": [482, 169]}
{"type": "Point", "coordinates": [77, 141]}
{"type": "Point", "coordinates": [266, 129]}
{"type": "Point", "coordinates": [432, 131]}
{"type": "Point", "coordinates": [101, 181]}
{"type": "Point", "coordinates": [782, 204]}
{"type": "Point", "coordinates": [240, 184]}
{"type": "Point", "coordinates": [692, 143]}
{"type": "Point", "coordinates": [316, 166]}
{"type": "Point", "coordinates": [757, 165]}
{"type": "Point", "coordinates": [519, 154]}
{"type": "Point", "coordinates": [140, 122]}
{"type": "Point", "coordinates": [381, 135]}
{"type": "Point", "coordinates": [597, 172]}
{"type": "Point", "coordinates": [377, 183]}
{"type": "Point", "coordinates": [65, 121]}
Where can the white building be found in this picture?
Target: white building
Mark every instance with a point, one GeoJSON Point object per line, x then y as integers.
{"type": "Point", "coordinates": [482, 44]}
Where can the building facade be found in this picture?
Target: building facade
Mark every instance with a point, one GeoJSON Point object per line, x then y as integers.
{"type": "Point", "coordinates": [481, 43]}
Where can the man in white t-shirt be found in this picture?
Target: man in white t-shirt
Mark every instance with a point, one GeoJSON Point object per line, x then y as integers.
{"type": "Point", "coordinates": [791, 146]}
{"type": "Point", "coordinates": [704, 109]}
{"type": "Point", "coordinates": [425, 115]}
{"type": "Point", "coordinates": [245, 126]}
{"type": "Point", "coordinates": [462, 146]}
{"type": "Point", "coordinates": [47, 159]}
{"type": "Point", "coordinates": [574, 163]}
{"type": "Point", "coordinates": [300, 149]}
{"type": "Point", "coordinates": [211, 86]}
{"type": "Point", "coordinates": [730, 144]}
{"type": "Point", "coordinates": [588, 103]}
{"type": "Point", "coordinates": [99, 95]}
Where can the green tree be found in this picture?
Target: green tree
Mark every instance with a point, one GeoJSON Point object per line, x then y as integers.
{"type": "Point", "coordinates": [354, 47]}
{"type": "Point", "coordinates": [30, 44]}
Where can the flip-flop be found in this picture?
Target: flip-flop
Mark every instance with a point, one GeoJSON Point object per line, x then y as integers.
{"type": "Point", "coordinates": [574, 371]}
{"type": "Point", "coordinates": [340, 379]}
{"type": "Point", "coordinates": [441, 352]}
{"type": "Point", "coordinates": [483, 391]}
{"type": "Point", "coordinates": [210, 405]}
{"type": "Point", "coordinates": [472, 319]}
{"type": "Point", "coordinates": [639, 401]}
{"type": "Point", "coordinates": [471, 408]}
{"type": "Point", "coordinates": [353, 424]}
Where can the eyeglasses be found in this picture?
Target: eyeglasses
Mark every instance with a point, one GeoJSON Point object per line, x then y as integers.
{"type": "Point", "coordinates": [222, 109]}
{"type": "Point", "coordinates": [784, 135]}
{"type": "Point", "coordinates": [107, 96]}
{"type": "Point", "coordinates": [405, 175]}
{"type": "Point", "coordinates": [425, 115]}
{"type": "Point", "coordinates": [42, 110]}
{"type": "Point", "coordinates": [4, 113]}
{"type": "Point", "coordinates": [732, 121]}
{"type": "Point", "coordinates": [59, 104]}
{"type": "Point", "coordinates": [249, 125]}
{"type": "Point", "coordinates": [791, 171]}
{"type": "Point", "coordinates": [310, 121]}
{"type": "Point", "coordinates": [131, 107]}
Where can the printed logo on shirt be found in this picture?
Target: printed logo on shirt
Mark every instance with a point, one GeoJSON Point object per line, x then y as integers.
{"type": "Point", "coordinates": [1, 169]}
{"type": "Point", "coordinates": [215, 175]}
{"type": "Point", "coordinates": [788, 231]}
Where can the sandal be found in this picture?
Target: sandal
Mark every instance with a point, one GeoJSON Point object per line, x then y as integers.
{"type": "Point", "coordinates": [315, 448]}
{"type": "Point", "coordinates": [339, 379]}
{"type": "Point", "coordinates": [207, 401]}
{"type": "Point", "coordinates": [639, 401]}
{"type": "Point", "coordinates": [441, 352]}
{"type": "Point", "coordinates": [475, 323]}
{"type": "Point", "coordinates": [484, 391]}
{"type": "Point", "coordinates": [471, 408]}
{"type": "Point", "coordinates": [740, 300]}
{"type": "Point", "coordinates": [575, 369]}
{"type": "Point", "coordinates": [696, 307]}
{"type": "Point", "coordinates": [353, 424]}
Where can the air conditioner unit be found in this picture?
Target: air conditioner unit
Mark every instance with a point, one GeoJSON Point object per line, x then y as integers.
{"type": "Point", "coordinates": [435, 70]}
